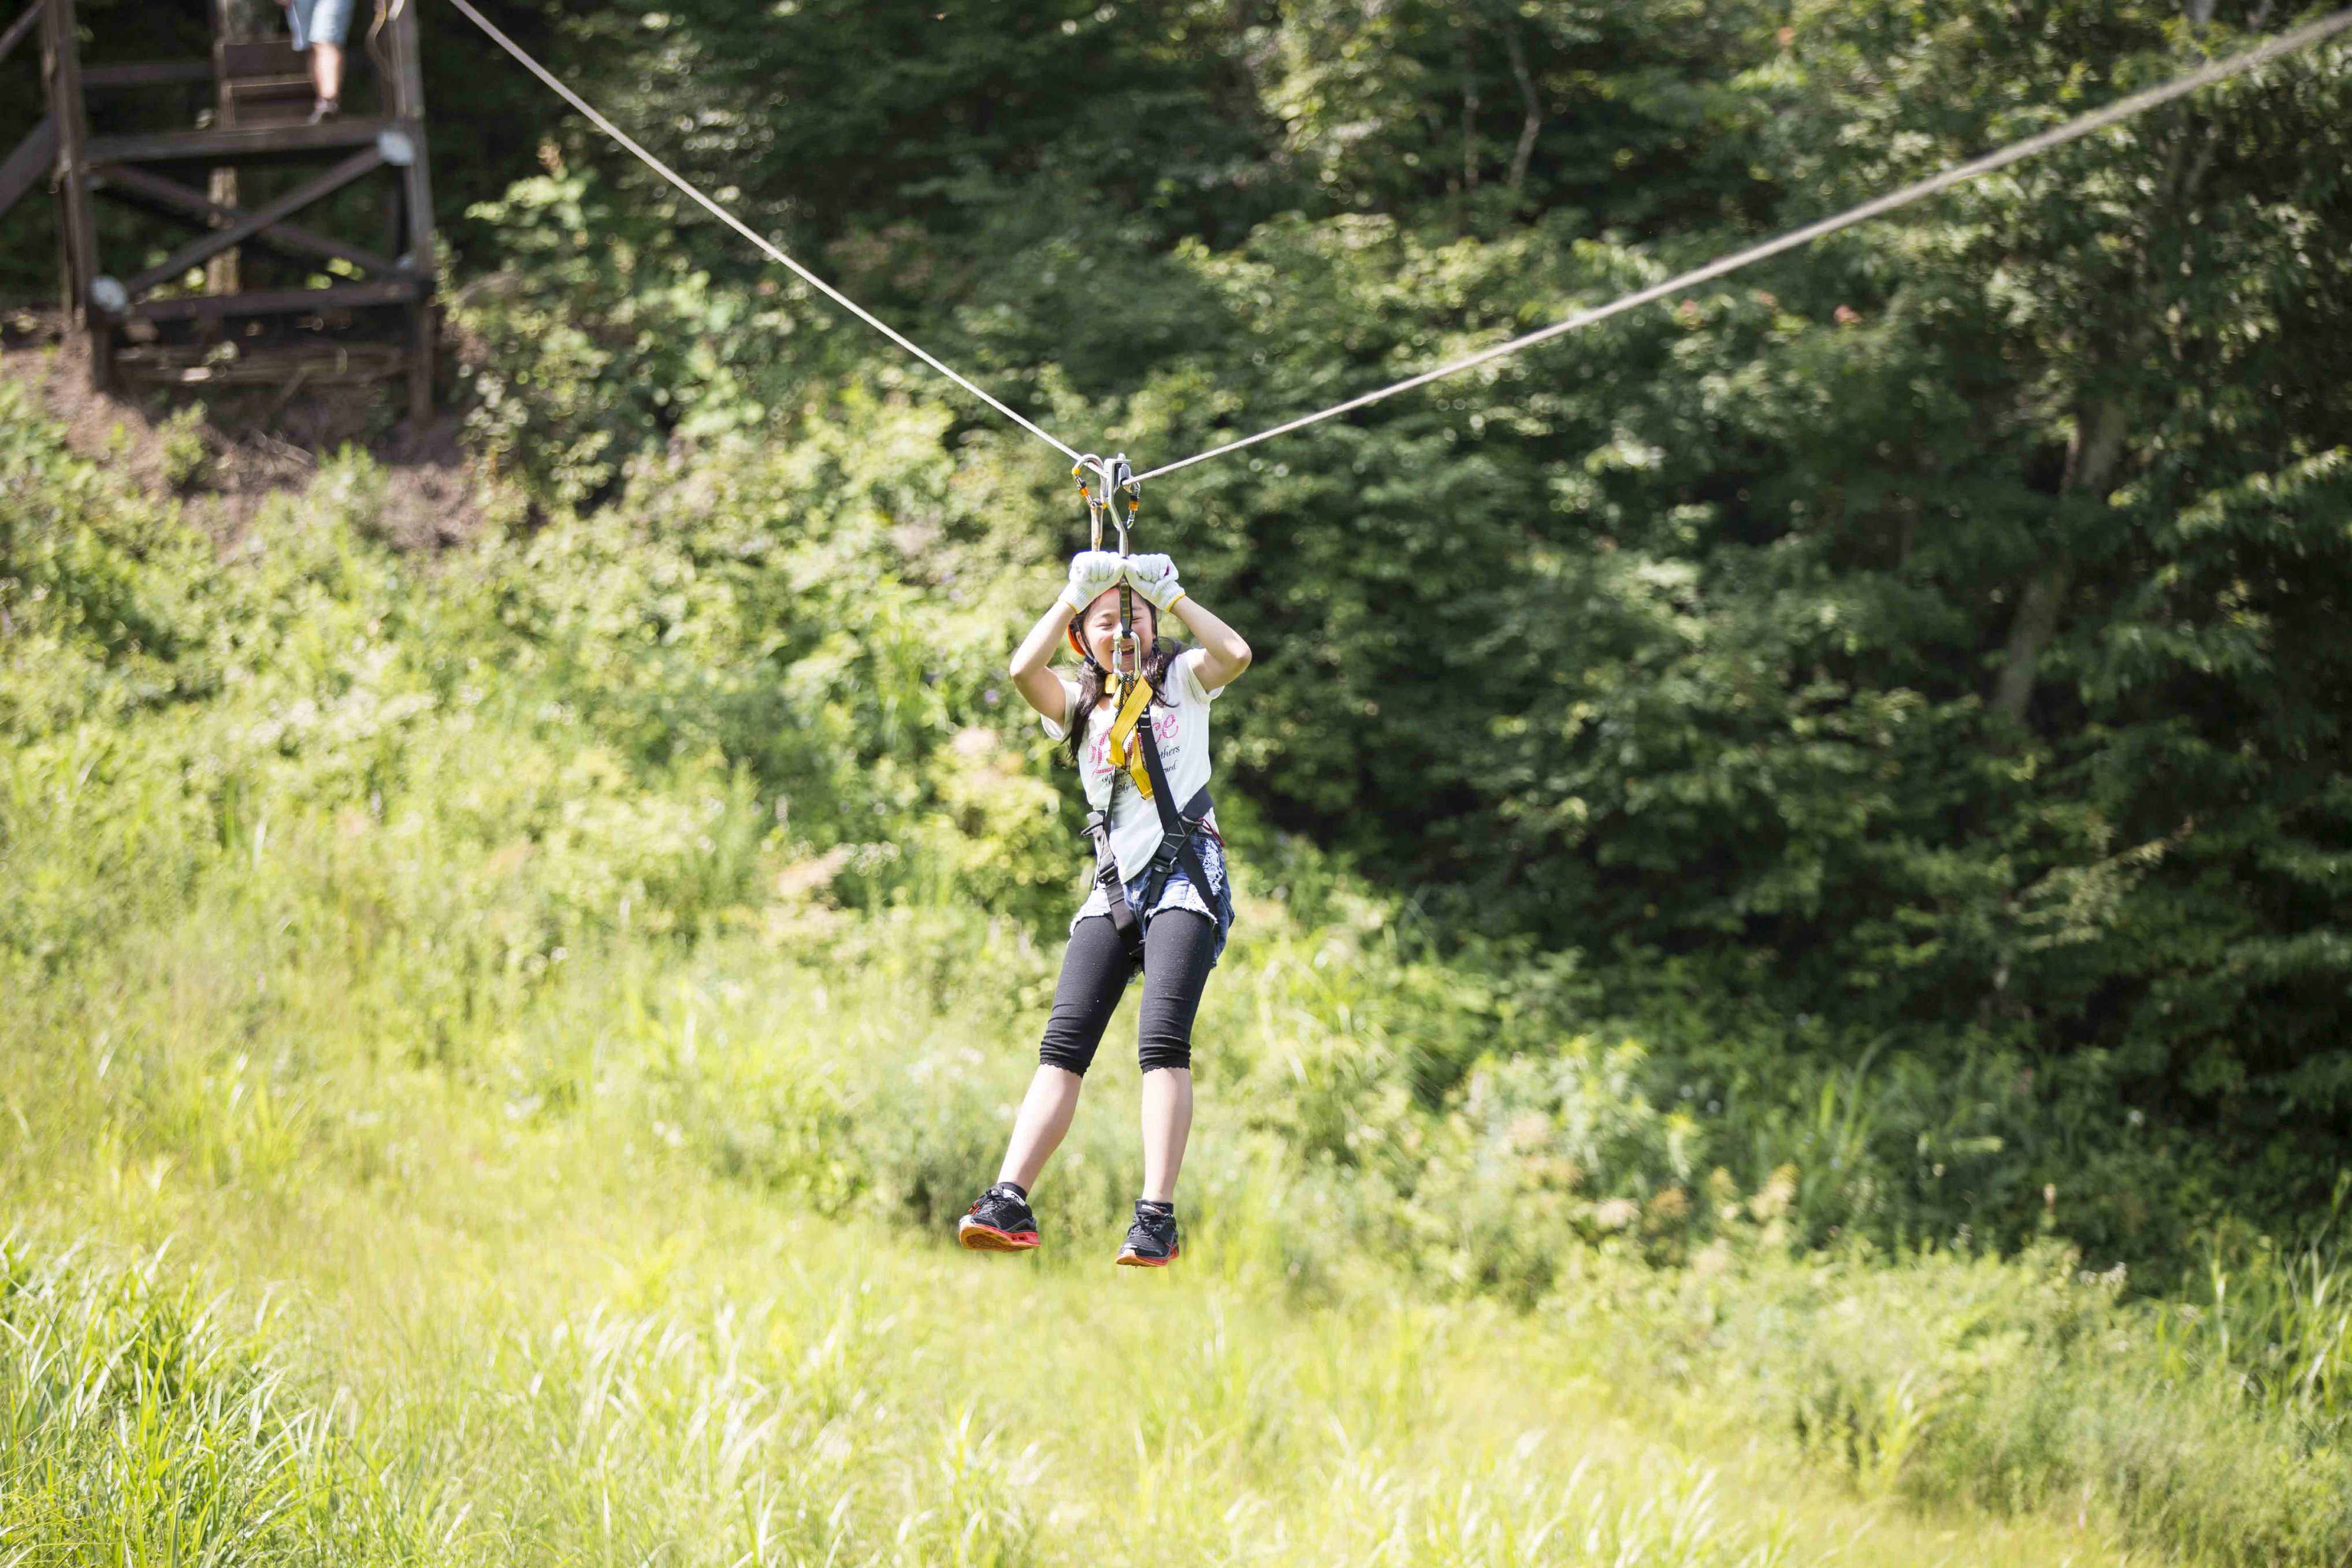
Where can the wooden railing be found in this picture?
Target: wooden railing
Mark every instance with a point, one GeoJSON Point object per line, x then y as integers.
{"type": "Point", "coordinates": [20, 30]}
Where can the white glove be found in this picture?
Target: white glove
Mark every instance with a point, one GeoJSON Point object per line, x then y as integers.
{"type": "Point", "coordinates": [1154, 577]}
{"type": "Point", "coordinates": [1092, 573]}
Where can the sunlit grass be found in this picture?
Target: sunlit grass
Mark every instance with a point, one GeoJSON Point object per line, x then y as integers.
{"type": "Point", "coordinates": [649, 1264]}
{"type": "Point", "coordinates": [419, 1317]}
{"type": "Point", "coordinates": [544, 1349]}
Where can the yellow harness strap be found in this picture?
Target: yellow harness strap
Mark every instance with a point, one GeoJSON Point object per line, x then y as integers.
{"type": "Point", "coordinates": [1133, 697]}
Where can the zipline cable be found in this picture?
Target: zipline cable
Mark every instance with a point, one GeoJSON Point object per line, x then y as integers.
{"type": "Point", "coordinates": [739, 226]}
{"type": "Point", "coordinates": [2293, 41]}
{"type": "Point", "coordinates": [2123, 109]}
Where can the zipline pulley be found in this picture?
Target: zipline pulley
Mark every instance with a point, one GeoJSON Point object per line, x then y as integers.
{"type": "Point", "coordinates": [1100, 480]}
{"type": "Point", "coordinates": [1103, 482]}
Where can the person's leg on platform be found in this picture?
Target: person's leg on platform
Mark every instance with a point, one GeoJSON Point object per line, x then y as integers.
{"type": "Point", "coordinates": [327, 72]}
{"type": "Point", "coordinates": [320, 26]}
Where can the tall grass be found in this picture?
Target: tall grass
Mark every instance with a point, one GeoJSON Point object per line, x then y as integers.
{"type": "Point", "coordinates": [143, 1422]}
{"type": "Point", "coordinates": [714, 1373]}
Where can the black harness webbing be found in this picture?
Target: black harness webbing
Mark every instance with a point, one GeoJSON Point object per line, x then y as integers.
{"type": "Point", "coordinates": [1176, 845]}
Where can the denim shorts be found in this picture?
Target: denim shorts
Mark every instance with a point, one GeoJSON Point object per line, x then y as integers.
{"type": "Point", "coordinates": [1177, 893]}
{"type": "Point", "coordinates": [319, 21]}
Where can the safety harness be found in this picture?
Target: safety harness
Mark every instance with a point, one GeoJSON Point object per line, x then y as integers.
{"type": "Point", "coordinates": [1131, 747]}
{"type": "Point", "coordinates": [1135, 753]}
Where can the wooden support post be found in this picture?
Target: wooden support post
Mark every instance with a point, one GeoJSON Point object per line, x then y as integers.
{"type": "Point", "coordinates": [421, 330]}
{"type": "Point", "coordinates": [61, 51]}
{"type": "Point", "coordinates": [407, 92]}
{"type": "Point", "coordinates": [225, 273]}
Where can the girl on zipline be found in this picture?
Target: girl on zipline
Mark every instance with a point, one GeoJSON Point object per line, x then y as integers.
{"type": "Point", "coordinates": [1160, 900]}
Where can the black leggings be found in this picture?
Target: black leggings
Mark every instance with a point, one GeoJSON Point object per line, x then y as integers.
{"type": "Point", "coordinates": [1179, 947]}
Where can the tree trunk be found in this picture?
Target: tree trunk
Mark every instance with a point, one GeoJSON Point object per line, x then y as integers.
{"type": "Point", "coordinates": [2097, 443]}
{"type": "Point", "coordinates": [2091, 458]}
{"type": "Point", "coordinates": [1529, 102]}
{"type": "Point", "coordinates": [1469, 116]}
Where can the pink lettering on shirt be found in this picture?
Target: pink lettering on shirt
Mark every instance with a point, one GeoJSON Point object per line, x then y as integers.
{"type": "Point", "coordinates": [1165, 726]}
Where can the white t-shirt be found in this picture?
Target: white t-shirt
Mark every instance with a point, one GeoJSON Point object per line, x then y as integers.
{"type": "Point", "coordinates": [1181, 730]}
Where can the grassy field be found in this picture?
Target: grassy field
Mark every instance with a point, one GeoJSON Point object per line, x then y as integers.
{"type": "Point", "coordinates": [280, 1292]}
{"type": "Point", "coordinates": [492, 1048]}
{"type": "Point", "coordinates": [432, 1330]}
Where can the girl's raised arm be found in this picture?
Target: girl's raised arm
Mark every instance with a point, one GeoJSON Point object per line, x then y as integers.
{"type": "Point", "coordinates": [1224, 654]}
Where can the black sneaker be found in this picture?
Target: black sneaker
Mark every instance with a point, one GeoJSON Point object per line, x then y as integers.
{"type": "Point", "coordinates": [1151, 1240]}
{"type": "Point", "coordinates": [999, 1222]}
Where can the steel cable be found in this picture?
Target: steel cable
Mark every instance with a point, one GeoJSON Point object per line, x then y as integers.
{"type": "Point", "coordinates": [2123, 109]}
{"type": "Point", "coordinates": [2291, 42]}
{"type": "Point", "coordinates": [739, 226]}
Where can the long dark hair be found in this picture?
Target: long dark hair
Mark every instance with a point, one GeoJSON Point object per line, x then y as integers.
{"type": "Point", "coordinates": [1092, 678]}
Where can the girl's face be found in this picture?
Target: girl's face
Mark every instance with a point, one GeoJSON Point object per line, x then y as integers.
{"type": "Point", "coordinates": [1098, 630]}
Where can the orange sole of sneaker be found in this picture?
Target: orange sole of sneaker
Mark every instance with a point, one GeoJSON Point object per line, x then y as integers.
{"type": "Point", "coordinates": [1130, 1260]}
{"type": "Point", "coordinates": [981, 1237]}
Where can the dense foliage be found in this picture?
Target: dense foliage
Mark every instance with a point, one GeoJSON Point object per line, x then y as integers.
{"type": "Point", "coordinates": [1923, 652]}
{"type": "Point", "coordinates": [1915, 666]}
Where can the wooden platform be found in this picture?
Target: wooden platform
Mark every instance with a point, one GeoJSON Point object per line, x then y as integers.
{"type": "Point", "coordinates": [242, 144]}
{"type": "Point", "coordinates": [320, 364]}
{"type": "Point", "coordinates": [145, 320]}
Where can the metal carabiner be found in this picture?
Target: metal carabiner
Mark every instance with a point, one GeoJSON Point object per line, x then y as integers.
{"type": "Point", "coordinates": [1115, 472]}
{"type": "Point", "coordinates": [1088, 468]}
{"type": "Point", "coordinates": [1100, 480]}
{"type": "Point", "coordinates": [1117, 476]}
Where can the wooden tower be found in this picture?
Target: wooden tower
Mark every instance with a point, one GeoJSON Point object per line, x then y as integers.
{"type": "Point", "coordinates": [300, 302]}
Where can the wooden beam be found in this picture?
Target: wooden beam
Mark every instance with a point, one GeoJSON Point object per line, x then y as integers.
{"type": "Point", "coordinates": [20, 30]}
{"type": "Point", "coordinates": [61, 60]}
{"type": "Point", "coordinates": [408, 79]}
{"type": "Point", "coordinates": [408, 85]}
{"type": "Point", "coordinates": [276, 302]}
{"type": "Point", "coordinates": [405, 78]}
{"type": "Point", "coordinates": [259, 57]}
{"type": "Point", "coordinates": [422, 325]}
{"type": "Point", "coordinates": [148, 73]}
{"type": "Point", "coordinates": [253, 222]}
{"type": "Point", "coordinates": [129, 180]}
{"type": "Point", "coordinates": [36, 155]}
{"type": "Point", "coordinates": [65, 274]}
{"type": "Point", "coordinates": [230, 143]}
